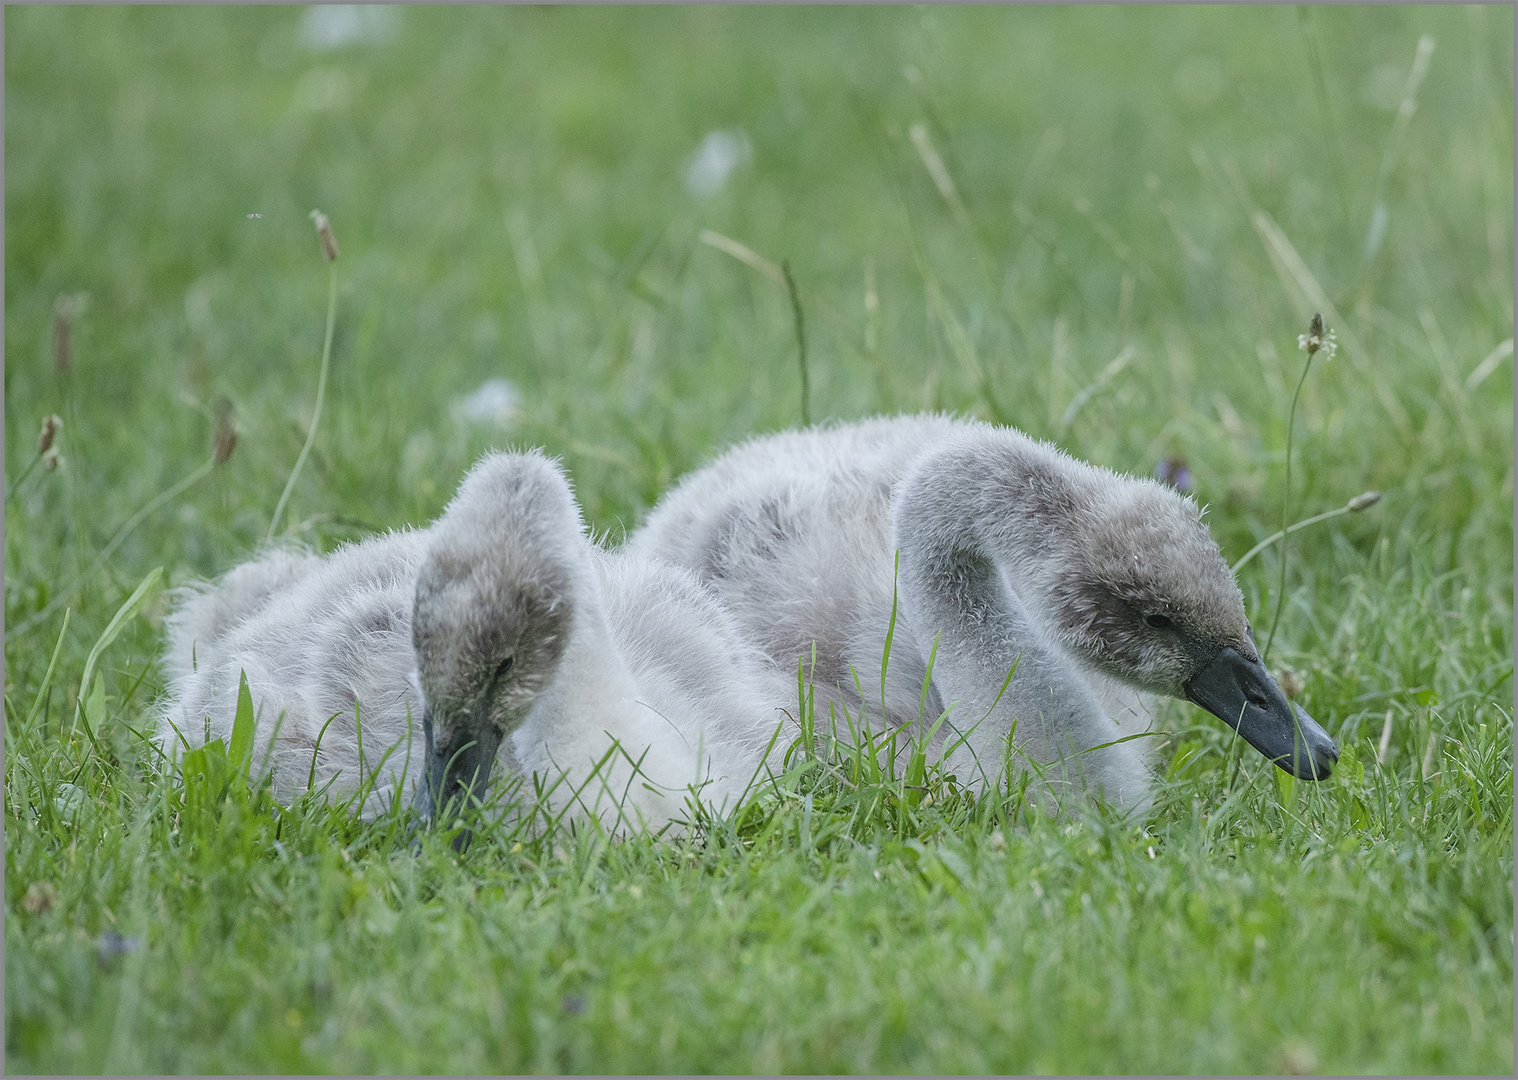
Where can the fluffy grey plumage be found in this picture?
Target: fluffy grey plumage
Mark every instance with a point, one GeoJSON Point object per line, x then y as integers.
{"type": "Point", "coordinates": [1102, 588]}
{"type": "Point", "coordinates": [517, 628]}
{"type": "Point", "coordinates": [534, 648]}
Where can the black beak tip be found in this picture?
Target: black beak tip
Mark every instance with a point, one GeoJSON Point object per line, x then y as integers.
{"type": "Point", "coordinates": [1238, 690]}
{"type": "Point", "coordinates": [426, 806]}
{"type": "Point", "coordinates": [1320, 754]}
{"type": "Point", "coordinates": [454, 775]}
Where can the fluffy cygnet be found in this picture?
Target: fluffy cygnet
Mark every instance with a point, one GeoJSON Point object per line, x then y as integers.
{"type": "Point", "coordinates": [1101, 588]}
{"type": "Point", "coordinates": [500, 634]}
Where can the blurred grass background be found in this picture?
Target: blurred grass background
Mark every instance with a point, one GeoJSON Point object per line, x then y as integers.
{"type": "Point", "coordinates": [1103, 225]}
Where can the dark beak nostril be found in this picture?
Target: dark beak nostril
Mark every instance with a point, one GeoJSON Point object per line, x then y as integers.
{"type": "Point", "coordinates": [1239, 690]}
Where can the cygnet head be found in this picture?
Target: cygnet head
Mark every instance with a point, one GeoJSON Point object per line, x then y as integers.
{"type": "Point", "coordinates": [1142, 592]}
{"type": "Point", "coordinates": [494, 602]}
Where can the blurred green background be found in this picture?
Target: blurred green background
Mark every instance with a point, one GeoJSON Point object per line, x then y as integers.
{"type": "Point", "coordinates": [1089, 148]}
{"type": "Point", "coordinates": [1105, 225]}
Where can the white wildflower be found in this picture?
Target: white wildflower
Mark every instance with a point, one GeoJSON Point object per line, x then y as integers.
{"type": "Point", "coordinates": [1316, 339]}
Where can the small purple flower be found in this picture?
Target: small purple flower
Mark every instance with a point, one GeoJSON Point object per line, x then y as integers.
{"type": "Point", "coordinates": [1174, 471]}
{"type": "Point", "coordinates": [110, 945]}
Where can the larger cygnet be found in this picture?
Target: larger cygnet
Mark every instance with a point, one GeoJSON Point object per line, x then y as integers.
{"type": "Point", "coordinates": [1099, 588]}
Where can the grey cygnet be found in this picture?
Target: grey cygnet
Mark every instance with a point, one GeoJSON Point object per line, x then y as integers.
{"type": "Point", "coordinates": [1101, 588]}
{"type": "Point", "coordinates": [500, 636]}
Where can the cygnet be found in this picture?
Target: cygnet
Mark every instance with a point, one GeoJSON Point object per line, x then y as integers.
{"type": "Point", "coordinates": [500, 636]}
{"type": "Point", "coordinates": [1093, 589]}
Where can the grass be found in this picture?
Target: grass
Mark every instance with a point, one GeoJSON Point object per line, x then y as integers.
{"type": "Point", "coordinates": [1106, 226]}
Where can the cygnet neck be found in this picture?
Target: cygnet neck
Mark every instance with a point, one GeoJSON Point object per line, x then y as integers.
{"type": "Point", "coordinates": [979, 524]}
{"type": "Point", "coordinates": [994, 496]}
{"type": "Point", "coordinates": [591, 668]}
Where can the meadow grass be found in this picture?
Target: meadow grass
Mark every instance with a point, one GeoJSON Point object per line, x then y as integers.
{"type": "Point", "coordinates": [1105, 226]}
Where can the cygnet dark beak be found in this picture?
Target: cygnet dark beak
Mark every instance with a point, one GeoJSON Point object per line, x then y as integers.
{"type": "Point", "coordinates": [454, 773]}
{"type": "Point", "coordinates": [1241, 693]}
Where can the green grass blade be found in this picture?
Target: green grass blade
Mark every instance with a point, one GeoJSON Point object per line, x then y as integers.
{"type": "Point", "coordinates": [47, 680]}
{"type": "Point", "coordinates": [148, 588]}
{"type": "Point", "coordinates": [240, 752]}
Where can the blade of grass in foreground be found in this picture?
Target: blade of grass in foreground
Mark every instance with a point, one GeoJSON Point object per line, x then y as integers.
{"type": "Point", "coordinates": [148, 588]}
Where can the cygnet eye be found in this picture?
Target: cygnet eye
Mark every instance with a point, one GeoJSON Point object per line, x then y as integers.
{"type": "Point", "coordinates": [501, 671]}
{"type": "Point", "coordinates": [1157, 621]}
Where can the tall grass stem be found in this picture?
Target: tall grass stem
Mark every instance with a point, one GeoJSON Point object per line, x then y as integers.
{"type": "Point", "coordinates": [52, 665]}
{"type": "Point", "coordinates": [1291, 420]}
{"type": "Point", "coordinates": [806, 390]}
{"type": "Point", "coordinates": [321, 391]}
{"type": "Point", "coordinates": [1355, 505]}
{"type": "Point", "coordinates": [11, 489]}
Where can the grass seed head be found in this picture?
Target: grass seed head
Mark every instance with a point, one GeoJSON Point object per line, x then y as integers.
{"type": "Point", "coordinates": [64, 310]}
{"type": "Point", "coordinates": [51, 459]}
{"type": "Point", "coordinates": [51, 425]}
{"type": "Point", "coordinates": [226, 431]}
{"type": "Point", "coordinates": [40, 897]}
{"type": "Point", "coordinates": [324, 231]}
{"type": "Point", "coordinates": [1316, 339]}
{"type": "Point", "coordinates": [1364, 501]}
